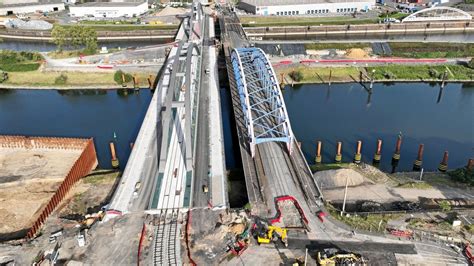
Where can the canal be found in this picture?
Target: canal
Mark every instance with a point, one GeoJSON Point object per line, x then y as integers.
{"type": "Point", "coordinates": [48, 47]}
{"type": "Point", "coordinates": [76, 113]}
{"type": "Point", "coordinates": [344, 112]}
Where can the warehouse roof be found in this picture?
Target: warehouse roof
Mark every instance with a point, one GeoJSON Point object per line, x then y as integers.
{"type": "Point", "coordinates": [294, 2]}
{"type": "Point", "coordinates": [107, 4]}
{"type": "Point", "coordinates": [32, 3]}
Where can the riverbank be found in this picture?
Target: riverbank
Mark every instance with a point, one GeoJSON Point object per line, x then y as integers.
{"type": "Point", "coordinates": [75, 80]}
{"type": "Point", "coordinates": [386, 73]}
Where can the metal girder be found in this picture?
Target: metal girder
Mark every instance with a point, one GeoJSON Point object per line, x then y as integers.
{"type": "Point", "coordinates": [262, 104]}
{"type": "Point", "coordinates": [437, 13]}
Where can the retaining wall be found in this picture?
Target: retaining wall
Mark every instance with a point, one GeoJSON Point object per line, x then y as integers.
{"type": "Point", "coordinates": [86, 162]}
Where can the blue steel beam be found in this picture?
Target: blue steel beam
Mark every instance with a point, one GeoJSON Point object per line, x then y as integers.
{"type": "Point", "coordinates": [262, 104]}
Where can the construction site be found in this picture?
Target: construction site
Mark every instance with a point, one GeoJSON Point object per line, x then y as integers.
{"type": "Point", "coordinates": [36, 173]}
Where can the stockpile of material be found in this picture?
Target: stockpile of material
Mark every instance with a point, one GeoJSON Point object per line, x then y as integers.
{"type": "Point", "coordinates": [28, 25]}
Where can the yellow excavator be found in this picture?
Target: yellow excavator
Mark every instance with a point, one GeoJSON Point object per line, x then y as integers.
{"type": "Point", "coordinates": [272, 233]}
{"type": "Point", "coordinates": [332, 257]}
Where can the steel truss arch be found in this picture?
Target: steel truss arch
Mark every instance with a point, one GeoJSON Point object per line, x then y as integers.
{"type": "Point", "coordinates": [262, 103]}
{"type": "Point", "coordinates": [439, 13]}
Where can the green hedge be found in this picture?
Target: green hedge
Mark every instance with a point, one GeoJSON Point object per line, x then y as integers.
{"type": "Point", "coordinates": [19, 67]}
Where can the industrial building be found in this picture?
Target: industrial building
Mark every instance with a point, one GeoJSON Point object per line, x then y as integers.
{"type": "Point", "coordinates": [109, 9]}
{"type": "Point", "coordinates": [304, 7]}
{"type": "Point", "coordinates": [14, 7]}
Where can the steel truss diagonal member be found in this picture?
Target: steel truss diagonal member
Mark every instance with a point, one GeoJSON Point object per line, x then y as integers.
{"type": "Point", "coordinates": [262, 103]}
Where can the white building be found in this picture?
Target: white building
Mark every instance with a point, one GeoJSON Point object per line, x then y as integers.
{"type": "Point", "coordinates": [13, 7]}
{"type": "Point", "coordinates": [304, 7]}
{"type": "Point", "coordinates": [109, 9]}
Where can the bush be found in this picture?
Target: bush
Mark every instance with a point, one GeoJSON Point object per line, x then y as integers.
{"type": "Point", "coordinates": [471, 63]}
{"type": "Point", "coordinates": [296, 75]}
{"type": "Point", "coordinates": [463, 176]}
{"type": "Point", "coordinates": [389, 75]}
{"type": "Point", "coordinates": [19, 67]}
{"type": "Point", "coordinates": [433, 73]}
{"type": "Point", "coordinates": [118, 77]}
{"type": "Point", "coordinates": [61, 79]}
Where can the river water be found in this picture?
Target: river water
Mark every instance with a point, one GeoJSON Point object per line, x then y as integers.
{"type": "Point", "coordinates": [340, 113]}
{"type": "Point", "coordinates": [78, 113]}
{"type": "Point", "coordinates": [344, 113]}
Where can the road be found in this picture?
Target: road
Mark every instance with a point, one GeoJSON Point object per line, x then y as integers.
{"type": "Point", "coordinates": [201, 178]}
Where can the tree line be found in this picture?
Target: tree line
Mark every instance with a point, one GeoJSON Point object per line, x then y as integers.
{"type": "Point", "coordinates": [75, 36]}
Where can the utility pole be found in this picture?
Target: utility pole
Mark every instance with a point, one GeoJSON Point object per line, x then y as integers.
{"type": "Point", "coordinates": [345, 197]}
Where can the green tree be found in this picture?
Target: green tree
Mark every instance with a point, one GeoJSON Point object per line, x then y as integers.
{"type": "Point", "coordinates": [471, 63]}
{"type": "Point", "coordinates": [296, 75]}
{"type": "Point", "coordinates": [60, 37]}
{"type": "Point", "coordinates": [118, 77]}
{"type": "Point", "coordinates": [76, 36]}
{"type": "Point", "coordinates": [444, 205]}
{"type": "Point", "coordinates": [89, 36]}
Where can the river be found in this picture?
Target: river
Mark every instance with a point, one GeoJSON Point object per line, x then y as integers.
{"type": "Point", "coordinates": [344, 113]}
{"type": "Point", "coordinates": [76, 113]}
{"type": "Point", "coordinates": [48, 47]}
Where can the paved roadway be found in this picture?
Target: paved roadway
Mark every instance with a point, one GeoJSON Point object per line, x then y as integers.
{"type": "Point", "coordinates": [201, 177]}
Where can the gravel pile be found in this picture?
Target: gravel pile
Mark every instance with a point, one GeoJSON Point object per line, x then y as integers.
{"type": "Point", "coordinates": [28, 25]}
{"type": "Point", "coordinates": [337, 178]}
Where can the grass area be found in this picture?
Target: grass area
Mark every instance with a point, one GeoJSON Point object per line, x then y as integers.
{"type": "Point", "coordinates": [395, 15]}
{"type": "Point", "coordinates": [431, 50]}
{"type": "Point", "coordinates": [264, 21]}
{"type": "Point", "coordinates": [126, 27]}
{"type": "Point", "coordinates": [417, 185]}
{"type": "Point", "coordinates": [106, 177]}
{"type": "Point", "coordinates": [387, 72]}
{"type": "Point", "coordinates": [38, 78]}
{"type": "Point", "coordinates": [328, 166]}
{"type": "Point", "coordinates": [13, 61]}
{"type": "Point", "coordinates": [367, 222]}
{"type": "Point", "coordinates": [339, 46]}
{"type": "Point", "coordinates": [310, 74]}
{"type": "Point", "coordinates": [417, 72]}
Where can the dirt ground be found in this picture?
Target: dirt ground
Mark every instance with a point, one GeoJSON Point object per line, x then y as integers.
{"type": "Point", "coordinates": [369, 183]}
{"type": "Point", "coordinates": [28, 179]}
{"type": "Point", "coordinates": [89, 192]}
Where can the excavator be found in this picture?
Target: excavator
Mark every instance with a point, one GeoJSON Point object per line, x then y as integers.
{"type": "Point", "coordinates": [333, 257]}
{"type": "Point", "coordinates": [269, 233]}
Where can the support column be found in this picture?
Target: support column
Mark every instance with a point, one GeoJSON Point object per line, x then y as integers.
{"type": "Point", "coordinates": [338, 158]}
{"type": "Point", "coordinates": [115, 161]}
{"type": "Point", "coordinates": [443, 166]}
{"type": "Point", "coordinates": [396, 154]}
{"type": "Point", "coordinates": [419, 159]}
{"type": "Point", "coordinates": [358, 155]}
{"type": "Point", "coordinates": [378, 152]}
{"type": "Point", "coordinates": [318, 153]}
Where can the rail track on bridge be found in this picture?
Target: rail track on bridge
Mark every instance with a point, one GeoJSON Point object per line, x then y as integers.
{"type": "Point", "coordinates": [166, 240]}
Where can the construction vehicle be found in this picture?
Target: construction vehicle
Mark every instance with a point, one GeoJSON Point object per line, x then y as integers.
{"type": "Point", "coordinates": [272, 234]}
{"type": "Point", "coordinates": [333, 257]}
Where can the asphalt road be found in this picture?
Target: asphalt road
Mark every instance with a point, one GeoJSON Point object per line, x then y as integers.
{"type": "Point", "coordinates": [354, 246]}
{"type": "Point", "coordinates": [201, 177]}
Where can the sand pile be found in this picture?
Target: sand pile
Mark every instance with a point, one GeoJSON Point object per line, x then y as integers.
{"type": "Point", "coordinates": [337, 178]}
{"type": "Point", "coordinates": [356, 53]}
{"type": "Point", "coordinates": [171, 11]}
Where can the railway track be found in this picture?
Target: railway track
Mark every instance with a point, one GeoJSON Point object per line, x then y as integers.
{"type": "Point", "coordinates": [166, 242]}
